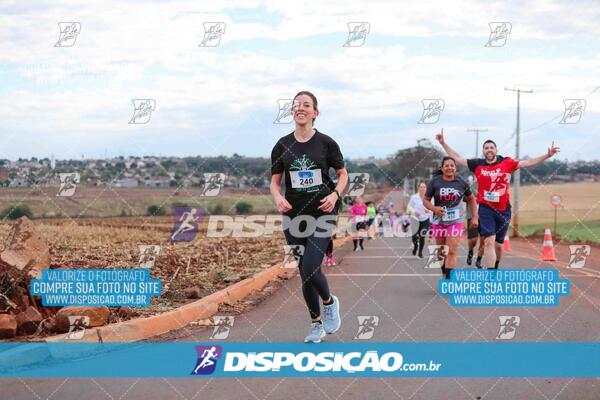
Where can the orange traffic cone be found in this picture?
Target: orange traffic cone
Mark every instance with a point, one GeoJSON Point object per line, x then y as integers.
{"type": "Point", "coordinates": [506, 245]}
{"type": "Point", "coordinates": [548, 249]}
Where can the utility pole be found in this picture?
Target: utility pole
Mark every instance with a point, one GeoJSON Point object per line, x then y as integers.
{"type": "Point", "coordinates": [476, 130]}
{"type": "Point", "coordinates": [515, 206]}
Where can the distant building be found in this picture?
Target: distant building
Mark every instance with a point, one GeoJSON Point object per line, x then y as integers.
{"type": "Point", "coordinates": [124, 183]}
{"type": "Point", "coordinates": [158, 183]}
{"type": "Point", "coordinates": [18, 182]}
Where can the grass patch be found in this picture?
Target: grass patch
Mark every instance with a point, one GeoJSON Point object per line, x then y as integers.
{"type": "Point", "coordinates": [588, 231]}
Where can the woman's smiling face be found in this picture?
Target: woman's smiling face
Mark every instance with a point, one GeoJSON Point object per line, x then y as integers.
{"type": "Point", "coordinates": [304, 110]}
{"type": "Point", "coordinates": [449, 168]}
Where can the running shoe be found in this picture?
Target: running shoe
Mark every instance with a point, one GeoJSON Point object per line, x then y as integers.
{"type": "Point", "coordinates": [478, 264]}
{"type": "Point", "coordinates": [327, 262]}
{"type": "Point", "coordinates": [469, 258]}
{"type": "Point", "coordinates": [332, 262]}
{"type": "Point", "coordinates": [315, 334]}
{"type": "Point", "coordinates": [331, 316]}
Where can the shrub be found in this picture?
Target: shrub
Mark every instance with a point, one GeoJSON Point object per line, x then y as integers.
{"type": "Point", "coordinates": [155, 210]}
{"type": "Point", "coordinates": [16, 211]}
{"type": "Point", "coordinates": [217, 209]}
{"type": "Point", "coordinates": [243, 207]}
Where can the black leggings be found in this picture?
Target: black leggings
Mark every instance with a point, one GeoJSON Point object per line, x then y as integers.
{"type": "Point", "coordinates": [419, 236]}
{"type": "Point", "coordinates": [329, 250]}
{"type": "Point", "coordinates": [314, 281]}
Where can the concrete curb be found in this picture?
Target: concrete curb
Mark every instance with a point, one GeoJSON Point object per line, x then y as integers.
{"type": "Point", "coordinates": [144, 328]}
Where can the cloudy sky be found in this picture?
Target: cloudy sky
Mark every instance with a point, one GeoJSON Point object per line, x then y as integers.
{"type": "Point", "coordinates": [74, 101]}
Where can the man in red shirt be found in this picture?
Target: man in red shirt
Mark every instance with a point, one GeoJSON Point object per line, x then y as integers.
{"type": "Point", "coordinates": [493, 177]}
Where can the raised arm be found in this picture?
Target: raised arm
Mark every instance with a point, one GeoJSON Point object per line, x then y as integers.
{"type": "Point", "coordinates": [552, 150]}
{"type": "Point", "coordinates": [451, 152]}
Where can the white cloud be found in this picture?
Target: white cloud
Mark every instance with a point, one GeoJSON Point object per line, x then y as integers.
{"type": "Point", "coordinates": [150, 50]}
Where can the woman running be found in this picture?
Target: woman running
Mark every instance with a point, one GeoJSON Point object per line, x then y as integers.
{"type": "Point", "coordinates": [305, 156]}
{"type": "Point", "coordinates": [448, 190]}
{"type": "Point", "coordinates": [371, 213]}
{"type": "Point", "coordinates": [393, 218]}
{"type": "Point", "coordinates": [358, 218]}
{"type": "Point", "coordinates": [416, 209]}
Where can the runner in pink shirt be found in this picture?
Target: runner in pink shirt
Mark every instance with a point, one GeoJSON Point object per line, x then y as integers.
{"type": "Point", "coordinates": [358, 219]}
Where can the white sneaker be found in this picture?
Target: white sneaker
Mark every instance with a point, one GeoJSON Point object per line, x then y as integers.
{"type": "Point", "coordinates": [315, 334]}
{"type": "Point", "coordinates": [331, 316]}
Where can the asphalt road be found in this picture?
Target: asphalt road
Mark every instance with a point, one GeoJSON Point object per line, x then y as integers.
{"type": "Point", "coordinates": [387, 282]}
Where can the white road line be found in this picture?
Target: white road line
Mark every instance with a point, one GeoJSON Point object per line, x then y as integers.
{"type": "Point", "coordinates": [390, 247]}
{"type": "Point", "coordinates": [411, 256]}
{"type": "Point", "coordinates": [588, 270]}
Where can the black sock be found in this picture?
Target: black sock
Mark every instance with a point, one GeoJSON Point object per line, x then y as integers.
{"type": "Point", "coordinates": [478, 259]}
{"type": "Point", "coordinates": [497, 263]}
{"type": "Point", "coordinates": [355, 242]}
{"type": "Point", "coordinates": [360, 241]}
{"type": "Point", "coordinates": [471, 252]}
{"type": "Point", "coordinates": [318, 322]}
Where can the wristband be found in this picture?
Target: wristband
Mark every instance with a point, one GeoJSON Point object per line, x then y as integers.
{"type": "Point", "coordinates": [336, 192]}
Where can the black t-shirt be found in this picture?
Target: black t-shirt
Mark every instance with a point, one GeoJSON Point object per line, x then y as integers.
{"type": "Point", "coordinates": [306, 166]}
{"type": "Point", "coordinates": [448, 194]}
